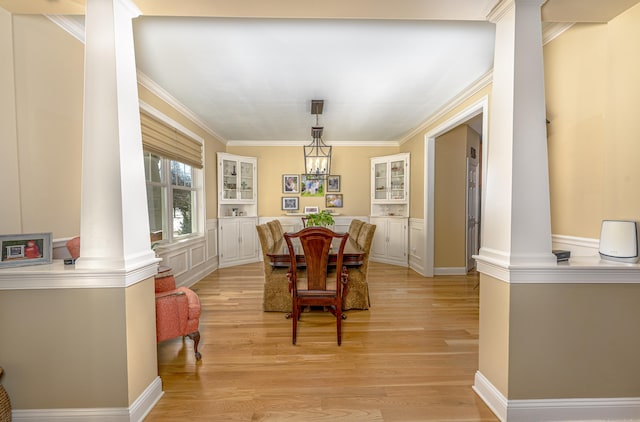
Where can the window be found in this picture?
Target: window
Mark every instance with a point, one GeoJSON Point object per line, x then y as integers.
{"type": "Point", "coordinates": [172, 197]}
{"type": "Point", "coordinates": [173, 173]}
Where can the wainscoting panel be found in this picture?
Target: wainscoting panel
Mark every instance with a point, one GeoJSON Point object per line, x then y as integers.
{"type": "Point", "coordinates": [198, 255]}
{"type": "Point", "coordinates": [194, 258]}
{"type": "Point", "coordinates": [416, 245]}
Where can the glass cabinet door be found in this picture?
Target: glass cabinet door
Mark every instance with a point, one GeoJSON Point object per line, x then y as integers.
{"type": "Point", "coordinates": [380, 170]}
{"type": "Point", "coordinates": [230, 179]}
{"type": "Point", "coordinates": [397, 180]}
{"type": "Point", "coordinates": [246, 180]}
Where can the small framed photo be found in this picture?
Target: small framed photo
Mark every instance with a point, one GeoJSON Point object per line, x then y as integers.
{"type": "Point", "coordinates": [312, 185]}
{"type": "Point", "coordinates": [333, 200]}
{"type": "Point", "coordinates": [290, 183]}
{"type": "Point", "coordinates": [25, 249]}
{"type": "Point", "coordinates": [311, 210]}
{"type": "Point", "coordinates": [333, 183]}
{"type": "Point", "coordinates": [290, 203]}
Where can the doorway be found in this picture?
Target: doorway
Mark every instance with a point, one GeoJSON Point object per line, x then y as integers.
{"type": "Point", "coordinates": [477, 112]}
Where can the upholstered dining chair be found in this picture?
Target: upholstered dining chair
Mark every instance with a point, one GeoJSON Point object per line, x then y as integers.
{"type": "Point", "coordinates": [354, 228]}
{"type": "Point", "coordinates": [314, 287]}
{"type": "Point", "coordinates": [177, 312]}
{"type": "Point", "coordinates": [357, 295]}
{"type": "Point", "coordinates": [276, 229]}
{"type": "Point", "coordinates": [276, 297]}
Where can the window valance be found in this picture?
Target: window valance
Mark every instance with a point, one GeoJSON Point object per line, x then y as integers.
{"type": "Point", "coordinates": [162, 139]}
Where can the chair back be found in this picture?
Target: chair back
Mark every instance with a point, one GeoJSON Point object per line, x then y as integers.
{"type": "Point", "coordinates": [316, 245]}
{"type": "Point", "coordinates": [316, 289]}
{"type": "Point", "coordinates": [276, 229]}
{"type": "Point", "coordinates": [354, 228]}
{"type": "Point", "coordinates": [304, 221]}
{"type": "Point", "coordinates": [266, 243]}
{"type": "Point", "coordinates": [364, 241]}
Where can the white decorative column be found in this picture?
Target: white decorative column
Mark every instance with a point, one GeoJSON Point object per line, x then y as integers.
{"type": "Point", "coordinates": [516, 218]}
{"type": "Point", "coordinates": [114, 226]}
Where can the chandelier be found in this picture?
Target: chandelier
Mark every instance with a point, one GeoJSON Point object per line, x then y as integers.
{"type": "Point", "coordinates": [317, 155]}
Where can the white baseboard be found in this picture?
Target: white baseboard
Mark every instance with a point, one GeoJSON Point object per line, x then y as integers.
{"type": "Point", "coordinates": [450, 271]}
{"type": "Point", "coordinates": [491, 396]}
{"type": "Point", "coordinates": [135, 413]}
{"type": "Point", "coordinates": [591, 409]}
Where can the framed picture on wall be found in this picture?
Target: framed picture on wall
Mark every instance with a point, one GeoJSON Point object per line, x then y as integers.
{"type": "Point", "coordinates": [312, 185]}
{"type": "Point", "coordinates": [311, 210]}
{"type": "Point", "coordinates": [25, 249]}
{"type": "Point", "coordinates": [333, 183]}
{"type": "Point", "coordinates": [290, 183]}
{"type": "Point", "coordinates": [290, 203]}
{"type": "Point", "coordinates": [333, 200]}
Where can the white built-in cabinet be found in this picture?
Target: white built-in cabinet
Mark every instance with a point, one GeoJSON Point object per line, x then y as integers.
{"type": "Point", "coordinates": [238, 243]}
{"type": "Point", "coordinates": [237, 209]}
{"type": "Point", "coordinates": [390, 208]}
{"type": "Point", "coordinates": [390, 241]}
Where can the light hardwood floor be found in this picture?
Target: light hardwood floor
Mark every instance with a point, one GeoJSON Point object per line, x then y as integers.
{"type": "Point", "coordinates": [411, 357]}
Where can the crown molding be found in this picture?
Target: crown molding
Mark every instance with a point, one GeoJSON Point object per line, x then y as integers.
{"type": "Point", "coordinates": [156, 89]}
{"type": "Point", "coordinates": [464, 95]}
{"type": "Point", "coordinates": [70, 25]}
{"type": "Point", "coordinates": [77, 30]}
{"type": "Point", "coordinates": [554, 30]}
{"type": "Point", "coordinates": [283, 143]}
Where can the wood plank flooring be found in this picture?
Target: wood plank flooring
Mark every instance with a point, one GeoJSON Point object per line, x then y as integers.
{"type": "Point", "coordinates": [411, 357]}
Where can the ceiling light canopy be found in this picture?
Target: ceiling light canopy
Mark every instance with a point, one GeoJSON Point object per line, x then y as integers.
{"type": "Point", "coordinates": [317, 155]}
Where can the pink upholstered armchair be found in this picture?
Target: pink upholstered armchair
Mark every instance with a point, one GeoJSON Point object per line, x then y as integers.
{"type": "Point", "coordinates": [177, 312]}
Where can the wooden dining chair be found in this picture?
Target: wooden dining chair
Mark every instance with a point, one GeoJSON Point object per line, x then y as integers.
{"type": "Point", "coordinates": [313, 287]}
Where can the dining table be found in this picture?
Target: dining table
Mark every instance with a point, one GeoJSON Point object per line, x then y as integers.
{"type": "Point", "coordinates": [352, 256]}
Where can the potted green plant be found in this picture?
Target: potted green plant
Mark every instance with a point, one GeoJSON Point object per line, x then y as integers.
{"type": "Point", "coordinates": [321, 219]}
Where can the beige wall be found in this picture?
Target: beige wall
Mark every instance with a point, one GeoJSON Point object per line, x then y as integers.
{"type": "Point", "coordinates": [574, 341]}
{"type": "Point", "coordinates": [352, 164]}
{"type": "Point", "coordinates": [493, 360]}
{"type": "Point", "coordinates": [11, 219]}
{"type": "Point", "coordinates": [142, 362]}
{"type": "Point", "coordinates": [47, 133]}
{"type": "Point", "coordinates": [64, 348]}
{"type": "Point", "coordinates": [450, 198]}
{"type": "Point", "coordinates": [559, 341]}
{"type": "Point", "coordinates": [49, 98]}
{"type": "Point", "coordinates": [593, 98]}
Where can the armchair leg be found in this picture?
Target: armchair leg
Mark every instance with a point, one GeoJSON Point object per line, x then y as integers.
{"type": "Point", "coordinates": [196, 339]}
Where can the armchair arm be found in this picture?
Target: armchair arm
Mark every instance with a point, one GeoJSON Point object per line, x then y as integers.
{"type": "Point", "coordinates": [169, 293]}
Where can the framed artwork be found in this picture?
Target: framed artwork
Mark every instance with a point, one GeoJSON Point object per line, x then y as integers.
{"type": "Point", "coordinates": [25, 249]}
{"type": "Point", "coordinates": [333, 200]}
{"type": "Point", "coordinates": [290, 203]}
{"type": "Point", "coordinates": [333, 183]}
{"type": "Point", "coordinates": [290, 183]}
{"type": "Point", "coordinates": [311, 210]}
{"type": "Point", "coordinates": [312, 185]}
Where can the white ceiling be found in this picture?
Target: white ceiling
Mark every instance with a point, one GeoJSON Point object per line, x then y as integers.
{"type": "Point", "coordinates": [249, 70]}
{"type": "Point", "coordinates": [254, 79]}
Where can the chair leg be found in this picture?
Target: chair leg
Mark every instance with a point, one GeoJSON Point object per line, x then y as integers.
{"type": "Point", "coordinates": [295, 315]}
{"type": "Point", "coordinates": [196, 339]}
{"type": "Point", "coordinates": [339, 323]}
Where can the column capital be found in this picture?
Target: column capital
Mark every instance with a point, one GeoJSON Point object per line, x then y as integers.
{"type": "Point", "coordinates": [504, 6]}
